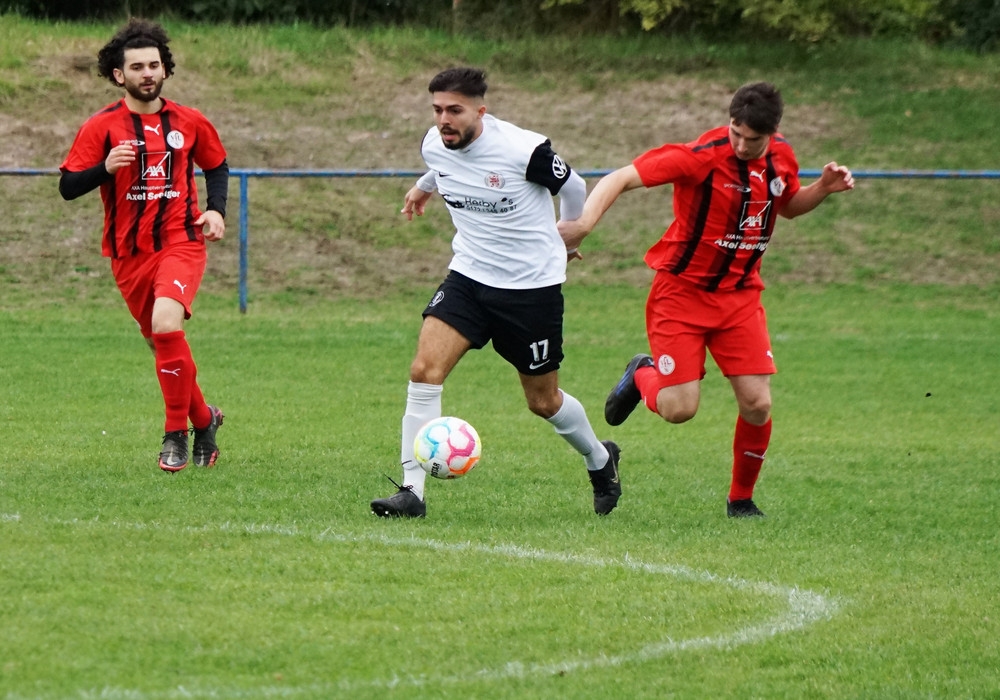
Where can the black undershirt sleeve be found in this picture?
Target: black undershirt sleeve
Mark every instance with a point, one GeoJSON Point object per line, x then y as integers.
{"type": "Point", "coordinates": [73, 185]}
{"type": "Point", "coordinates": [217, 188]}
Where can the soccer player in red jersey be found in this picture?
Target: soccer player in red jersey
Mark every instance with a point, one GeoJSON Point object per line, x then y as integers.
{"type": "Point", "coordinates": [141, 151]}
{"type": "Point", "coordinates": [728, 188]}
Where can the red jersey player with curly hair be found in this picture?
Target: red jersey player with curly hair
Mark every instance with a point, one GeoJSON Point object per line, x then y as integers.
{"type": "Point", "coordinates": [141, 151]}
{"type": "Point", "coordinates": [729, 187]}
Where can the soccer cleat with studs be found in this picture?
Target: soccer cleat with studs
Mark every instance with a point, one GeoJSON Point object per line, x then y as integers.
{"type": "Point", "coordinates": [204, 448]}
{"type": "Point", "coordinates": [625, 396]}
{"type": "Point", "coordinates": [174, 455]}
{"type": "Point", "coordinates": [402, 504]}
{"type": "Point", "coordinates": [743, 508]}
{"type": "Point", "coordinates": [606, 482]}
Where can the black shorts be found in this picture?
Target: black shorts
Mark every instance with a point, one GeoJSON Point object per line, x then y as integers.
{"type": "Point", "coordinates": [525, 325]}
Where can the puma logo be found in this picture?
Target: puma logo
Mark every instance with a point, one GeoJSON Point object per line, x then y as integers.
{"type": "Point", "coordinates": [759, 174]}
{"type": "Point", "coordinates": [175, 372]}
{"type": "Point", "coordinates": [154, 129]}
{"type": "Point", "coordinates": [180, 286]}
{"type": "Point", "coordinates": [754, 455]}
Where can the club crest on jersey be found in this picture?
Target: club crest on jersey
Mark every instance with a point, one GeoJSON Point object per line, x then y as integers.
{"type": "Point", "coordinates": [754, 216]}
{"type": "Point", "coordinates": [559, 167]}
{"type": "Point", "coordinates": [156, 166]}
{"type": "Point", "coordinates": [777, 186]}
{"type": "Point", "coordinates": [494, 181]}
{"type": "Point", "coordinates": [175, 139]}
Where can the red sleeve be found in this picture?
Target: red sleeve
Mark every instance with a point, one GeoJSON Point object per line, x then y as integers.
{"type": "Point", "coordinates": [209, 152]}
{"type": "Point", "coordinates": [661, 165]}
{"type": "Point", "coordinates": [677, 162]}
{"type": "Point", "coordinates": [789, 167]}
{"type": "Point", "coordinates": [89, 148]}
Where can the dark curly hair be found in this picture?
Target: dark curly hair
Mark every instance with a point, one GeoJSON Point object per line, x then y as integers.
{"type": "Point", "coordinates": [136, 34]}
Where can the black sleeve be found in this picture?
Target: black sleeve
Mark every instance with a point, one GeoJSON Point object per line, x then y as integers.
{"type": "Point", "coordinates": [217, 186]}
{"type": "Point", "coordinates": [547, 169]}
{"type": "Point", "coordinates": [73, 185]}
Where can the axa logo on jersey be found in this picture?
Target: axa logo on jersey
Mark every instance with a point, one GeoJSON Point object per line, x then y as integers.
{"type": "Point", "coordinates": [754, 216]}
{"type": "Point", "coordinates": [156, 166]}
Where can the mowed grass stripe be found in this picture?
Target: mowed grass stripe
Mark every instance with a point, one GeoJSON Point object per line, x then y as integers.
{"type": "Point", "coordinates": [117, 580]}
{"type": "Point", "coordinates": [500, 630]}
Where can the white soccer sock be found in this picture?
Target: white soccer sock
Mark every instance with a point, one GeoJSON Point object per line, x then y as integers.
{"type": "Point", "coordinates": [423, 403]}
{"type": "Point", "coordinates": [570, 421]}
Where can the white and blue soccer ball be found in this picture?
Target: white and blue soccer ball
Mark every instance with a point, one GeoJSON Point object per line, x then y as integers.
{"type": "Point", "coordinates": [447, 447]}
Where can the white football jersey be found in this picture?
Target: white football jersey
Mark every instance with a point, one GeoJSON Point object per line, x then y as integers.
{"type": "Point", "coordinates": [499, 192]}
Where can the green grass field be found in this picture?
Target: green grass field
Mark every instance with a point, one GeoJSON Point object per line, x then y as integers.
{"type": "Point", "coordinates": [874, 574]}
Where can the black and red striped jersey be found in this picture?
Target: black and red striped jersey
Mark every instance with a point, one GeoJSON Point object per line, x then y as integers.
{"type": "Point", "coordinates": [154, 202]}
{"type": "Point", "coordinates": [724, 208]}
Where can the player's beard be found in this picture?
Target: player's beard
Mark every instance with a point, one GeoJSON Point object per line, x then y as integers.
{"type": "Point", "coordinates": [138, 93]}
{"type": "Point", "coordinates": [466, 138]}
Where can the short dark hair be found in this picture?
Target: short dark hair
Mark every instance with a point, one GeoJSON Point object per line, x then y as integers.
{"type": "Point", "coordinates": [136, 34]}
{"type": "Point", "coordinates": [759, 106]}
{"type": "Point", "coordinates": [470, 82]}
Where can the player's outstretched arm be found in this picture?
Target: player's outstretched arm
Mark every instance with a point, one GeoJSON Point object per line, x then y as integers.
{"type": "Point", "coordinates": [834, 178]}
{"type": "Point", "coordinates": [599, 201]}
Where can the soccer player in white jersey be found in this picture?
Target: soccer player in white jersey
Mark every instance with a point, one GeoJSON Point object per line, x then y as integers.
{"type": "Point", "coordinates": [504, 283]}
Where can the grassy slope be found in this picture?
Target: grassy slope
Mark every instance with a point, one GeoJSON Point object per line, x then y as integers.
{"type": "Point", "coordinates": [338, 99]}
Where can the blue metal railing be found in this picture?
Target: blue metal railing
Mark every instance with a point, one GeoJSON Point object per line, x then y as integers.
{"type": "Point", "coordinates": [244, 175]}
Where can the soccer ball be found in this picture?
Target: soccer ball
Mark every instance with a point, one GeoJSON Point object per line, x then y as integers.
{"type": "Point", "coordinates": [447, 448]}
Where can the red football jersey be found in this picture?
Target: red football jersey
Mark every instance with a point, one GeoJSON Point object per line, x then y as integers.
{"type": "Point", "coordinates": [153, 202]}
{"type": "Point", "coordinates": [724, 208]}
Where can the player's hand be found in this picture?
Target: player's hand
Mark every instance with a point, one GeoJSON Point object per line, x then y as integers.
{"type": "Point", "coordinates": [120, 157]}
{"type": "Point", "coordinates": [572, 233]}
{"type": "Point", "coordinates": [573, 254]}
{"type": "Point", "coordinates": [414, 202]}
{"type": "Point", "coordinates": [214, 226]}
{"type": "Point", "coordinates": [836, 178]}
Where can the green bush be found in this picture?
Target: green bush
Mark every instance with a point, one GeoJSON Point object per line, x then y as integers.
{"type": "Point", "coordinates": [977, 22]}
{"type": "Point", "coordinates": [974, 23]}
{"type": "Point", "coordinates": [322, 12]}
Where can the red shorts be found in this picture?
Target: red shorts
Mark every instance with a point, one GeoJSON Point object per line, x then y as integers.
{"type": "Point", "coordinates": [682, 321]}
{"type": "Point", "coordinates": [174, 272]}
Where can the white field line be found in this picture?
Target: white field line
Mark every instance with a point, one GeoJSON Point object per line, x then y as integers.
{"type": "Point", "coordinates": [803, 607]}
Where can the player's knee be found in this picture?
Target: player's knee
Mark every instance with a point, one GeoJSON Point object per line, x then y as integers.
{"type": "Point", "coordinates": [757, 410]}
{"type": "Point", "coordinates": [677, 414]}
{"type": "Point", "coordinates": [423, 373]}
{"type": "Point", "coordinates": [676, 408]}
{"type": "Point", "coordinates": [757, 415]}
{"type": "Point", "coordinates": [544, 407]}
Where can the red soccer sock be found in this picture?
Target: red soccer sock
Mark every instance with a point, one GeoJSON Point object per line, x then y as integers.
{"type": "Point", "coordinates": [749, 447]}
{"type": "Point", "coordinates": [176, 371]}
{"type": "Point", "coordinates": [647, 381]}
{"type": "Point", "coordinates": [198, 411]}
